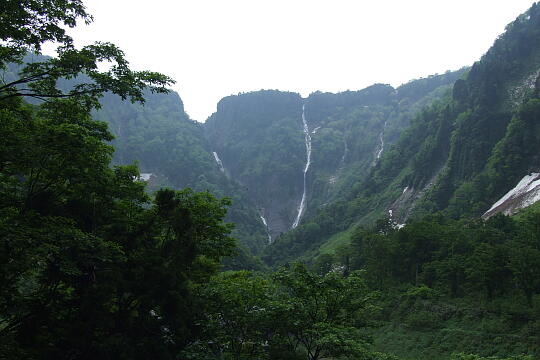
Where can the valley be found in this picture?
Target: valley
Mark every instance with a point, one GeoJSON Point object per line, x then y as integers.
{"type": "Point", "coordinates": [386, 223]}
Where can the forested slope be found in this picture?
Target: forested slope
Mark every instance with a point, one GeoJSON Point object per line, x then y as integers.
{"type": "Point", "coordinates": [468, 150]}
{"type": "Point", "coordinates": [391, 259]}
{"type": "Point", "coordinates": [460, 153]}
{"type": "Point", "coordinates": [260, 140]}
{"type": "Point", "coordinates": [161, 138]}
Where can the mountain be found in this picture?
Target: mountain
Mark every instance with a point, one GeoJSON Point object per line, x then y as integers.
{"type": "Point", "coordinates": [259, 139]}
{"type": "Point", "coordinates": [262, 143]}
{"type": "Point", "coordinates": [386, 206]}
{"type": "Point", "coordinates": [253, 149]}
{"type": "Point", "coordinates": [459, 155]}
{"type": "Point", "coordinates": [464, 153]}
{"type": "Point", "coordinates": [172, 151]}
{"type": "Point", "coordinates": [455, 142]}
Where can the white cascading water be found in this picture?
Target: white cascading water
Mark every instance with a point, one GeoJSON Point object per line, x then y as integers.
{"type": "Point", "coordinates": [302, 206]}
{"type": "Point", "coordinates": [218, 160]}
{"type": "Point", "coordinates": [382, 142]}
{"type": "Point", "coordinates": [267, 231]}
{"type": "Point", "coordinates": [345, 151]}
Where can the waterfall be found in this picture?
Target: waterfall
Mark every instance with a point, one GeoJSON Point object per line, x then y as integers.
{"type": "Point", "coordinates": [382, 142]}
{"type": "Point", "coordinates": [267, 231]}
{"type": "Point", "coordinates": [345, 151]}
{"type": "Point", "coordinates": [302, 205]}
{"type": "Point", "coordinates": [218, 160]}
{"type": "Point", "coordinates": [334, 178]}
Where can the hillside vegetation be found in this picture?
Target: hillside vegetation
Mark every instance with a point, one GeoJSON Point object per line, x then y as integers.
{"type": "Point", "coordinates": [128, 231]}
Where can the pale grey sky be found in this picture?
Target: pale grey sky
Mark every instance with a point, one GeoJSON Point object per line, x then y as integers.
{"type": "Point", "coordinates": [215, 48]}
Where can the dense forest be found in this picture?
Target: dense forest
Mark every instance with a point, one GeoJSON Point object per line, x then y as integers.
{"type": "Point", "coordinates": [129, 231]}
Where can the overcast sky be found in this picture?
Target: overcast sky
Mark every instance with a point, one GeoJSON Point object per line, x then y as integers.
{"type": "Point", "coordinates": [215, 48]}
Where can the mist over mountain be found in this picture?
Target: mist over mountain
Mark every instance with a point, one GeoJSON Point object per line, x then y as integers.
{"type": "Point", "coordinates": [253, 148]}
{"type": "Point", "coordinates": [382, 223]}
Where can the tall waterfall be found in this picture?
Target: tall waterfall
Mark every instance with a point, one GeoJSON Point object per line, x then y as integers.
{"type": "Point", "coordinates": [267, 230]}
{"type": "Point", "coordinates": [382, 142]}
{"type": "Point", "coordinates": [302, 205]}
{"type": "Point", "coordinates": [345, 151]}
{"type": "Point", "coordinates": [218, 161]}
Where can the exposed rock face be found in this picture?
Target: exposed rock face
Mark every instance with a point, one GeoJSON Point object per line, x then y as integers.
{"type": "Point", "coordinates": [259, 142]}
{"type": "Point", "coordinates": [526, 193]}
{"type": "Point", "coordinates": [519, 92]}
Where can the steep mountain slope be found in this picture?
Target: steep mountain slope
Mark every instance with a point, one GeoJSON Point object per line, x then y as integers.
{"type": "Point", "coordinates": [261, 142]}
{"type": "Point", "coordinates": [477, 144]}
{"type": "Point", "coordinates": [259, 139]}
{"type": "Point", "coordinates": [350, 132]}
{"type": "Point", "coordinates": [172, 151]}
{"type": "Point", "coordinates": [362, 125]}
{"type": "Point", "coordinates": [459, 155]}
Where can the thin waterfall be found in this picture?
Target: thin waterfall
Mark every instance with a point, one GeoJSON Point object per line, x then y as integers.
{"type": "Point", "coordinates": [382, 142]}
{"type": "Point", "coordinates": [267, 230]}
{"type": "Point", "coordinates": [218, 161]}
{"type": "Point", "coordinates": [345, 151]}
{"type": "Point", "coordinates": [302, 205]}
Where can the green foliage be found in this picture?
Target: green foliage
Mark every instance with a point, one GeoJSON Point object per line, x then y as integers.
{"type": "Point", "coordinates": [162, 139]}
{"type": "Point", "coordinates": [341, 190]}
{"type": "Point", "coordinates": [27, 25]}
{"type": "Point", "coordinates": [91, 267]}
{"type": "Point", "coordinates": [259, 138]}
{"type": "Point", "coordinates": [83, 248]}
{"type": "Point", "coordinates": [459, 154]}
{"type": "Point", "coordinates": [321, 312]}
{"type": "Point", "coordinates": [476, 357]}
{"type": "Point", "coordinates": [238, 319]}
{"type": "Point", "coordinates": [453, 284]}
{"type": "Point", "coordinates": [292, 313]}
{"type": "Point", "coordinates": [30, 23]}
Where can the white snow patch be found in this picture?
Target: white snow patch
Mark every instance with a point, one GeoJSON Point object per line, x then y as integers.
{"type": "Point", "coordinates": [145, 176]}
{"type": "Point", "coordinates": [525, 193]}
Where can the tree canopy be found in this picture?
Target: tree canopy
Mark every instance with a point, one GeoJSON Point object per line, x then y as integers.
{"type": "Point", "coordinates": [92, 267]}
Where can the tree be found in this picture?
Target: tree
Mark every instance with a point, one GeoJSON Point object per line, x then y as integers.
{"type": "Point", "coordinates": [28, 24]}
{"type": "Point", "coordinates": [321, 314]}
{"type": "Point", "coordinates": [117, 285]}
{"type": "Point", "coordinates": [462, 356]}
{"type": "Point", "coordinates": [91, 268]}
{"type": "Point", "coordinates": [238, 317]}
{"type": "Point", "coordinates": [487, 267]}
{"type": "Point", "coordinates": [290, 314]}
